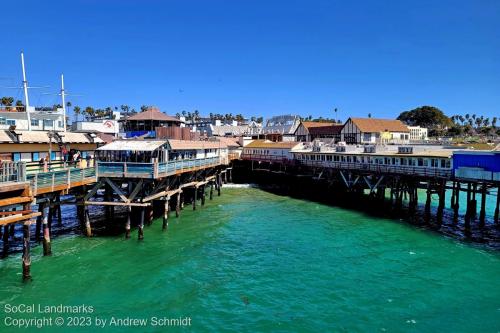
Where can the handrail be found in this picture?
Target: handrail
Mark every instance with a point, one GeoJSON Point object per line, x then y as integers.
{"type": "Point", "coordinates": [12, 171]}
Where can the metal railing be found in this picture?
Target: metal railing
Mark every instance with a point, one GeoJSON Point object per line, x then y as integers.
{"type": "Point", "coordinates": [50, 181]}
{"type": "Point", "coordinates": [153, 169]}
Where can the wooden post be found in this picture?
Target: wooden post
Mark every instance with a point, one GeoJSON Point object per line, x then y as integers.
{"type": "Point", "coordinates": [58, 208]}
{"type": "Point", "coordinates": [165, 214]}
{"type": "Point", "coordinates": [127, 224]}
{"type": "Point", "coordinates": [88, 227]}
{"type": "Point", "coordinates": [428, 202]}
{"type": "Point", "coordinates": [225, 177]}
{"type": "Point", "coordinates": [203, 195]}
{"type": "Point", "coordinates": [195, 197]}
{"type": "Point", "coordinates": [150, 212]}
{"type": "Point", "coordinates": [211, 196]}
{"type": "Point", "coordinates": [452, 199]}
{"type": "Point", "coordinates": [26, 251]}
{"type": "Point", "coordinates": [456, 205]}
{"type": "Point", "coordinates": [497, 208]}
{"type": "Point", "coordinates": [474, 201]}
{"type": "Point", "coordinates": [468, 207]}
{"type": "Point", "coordinates": [178, 205]}
{"type": "Point", "coordinates": [51, 213]}
{"type": "Point", "coordinates": [442, 191]}
{"type": "Point", "coordinates": [181, 196]}
{"type": "Point", "coordinates": [5, 240]}
{"type": "Point", "coordinates": [47, 250]}
{"type": "Point", "coordinates": [38, 226]}
{"type": "Point", "coordinates": [231, 175]}
{"type": "Point", "coordinates": [482, 213]}
{"type": "Point", "coordinates": [219, 180]}
{"type": "Point", "coordinates": [141, 224]}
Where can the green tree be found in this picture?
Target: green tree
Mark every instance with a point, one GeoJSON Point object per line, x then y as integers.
{"type": "Point", "coordinates": [426, 116]}
{"type": "Point", "coordinates": [77, 111]}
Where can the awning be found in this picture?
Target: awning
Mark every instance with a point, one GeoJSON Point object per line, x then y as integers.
{"type": "Point", "coordinates": [133, 145]}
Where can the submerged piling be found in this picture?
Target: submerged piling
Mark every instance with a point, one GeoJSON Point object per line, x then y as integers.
{"type": "Point", "coordinates": [26, 252]}
{"type": "Point", "coordinates": [47, 250]}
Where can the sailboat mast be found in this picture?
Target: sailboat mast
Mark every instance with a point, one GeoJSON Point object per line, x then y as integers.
{"type": "Point", "coordinates": [25, 87]}
{"type": "Point", "coordinates": [63, 101]}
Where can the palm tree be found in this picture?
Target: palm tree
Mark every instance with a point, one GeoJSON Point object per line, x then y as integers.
{"type": "Point", "coordinates": [125, 109]}
{"type": "Point", "coordinates": [76, 111]}
{"type": "Point", "coordinates": [462, 119]}
{"type": "Point", "coordinates": [486, 122]}
{"type": "Point", "coordinates": [19, 106]}
{"type": "Point", "coordinates": [494, 122]}
{"type": "Point", "coordinates": [467, 116]}
{"type": "Point", "coordinates": [474, 116]}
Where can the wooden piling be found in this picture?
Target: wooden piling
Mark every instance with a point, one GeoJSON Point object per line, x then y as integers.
{"type": "Point", "coordinates": [474, 201]}
{"type": "Point", "coordinates": [482, 213]}
{"type": "Point", "coordinates": [38, 226]}
{"type": "Point", "coordinates": [47, 249]}
{"type": "Point", "coordinates": [88, 227]}
{"type": "Point", "coordinates": [141, 224]}
{"type": "Point", "coordinates": [58, 209]}
{"type": "Point", "coordinates": [211, 195]}
{"type": "Point", "coordinates": [165, 214]}
{"type": "Point", "coordinates": [452, 199]}
{"type": "Point", "coordinates": [428, 202]}
{"type": "Point", "coordinates": [195, 194]}
{"type": "Point", "coordinates": [5, 240]}
{"type": "Point", "coordinates": [203, 195]}
{"type": "Point", "coordinates": [497, 208]}
{"type": "Point", "coordinates": [26, 252]}
{"type": "Point", "coordinates": [178, 205]}
{"type": "Point", "coordinates": [441, 194]}
{"type": "Point", "coordinates": [128, 224]}
{"type": "Point", "coordinates": [456, 205]}
{"type": "Point", "coordinates": [468, 212]}
{"type": "Point", "coordinates": [219, 180]}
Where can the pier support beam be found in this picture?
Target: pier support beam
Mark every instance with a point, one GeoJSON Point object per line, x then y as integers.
{"type": "Point", "coordinates": [165, 214]}
{"type": "Point", "coordinates": [88, 228]}
{"type": "Point", "coordinates": [203, 195]}
{"type": "Point", "coordinates": [428, 203]}
{"type": "Point", "coordinates": [482, 213]}
{"type": "Point", "coordinates": [58, 209]}
{"type": "Point", "coordinates": [195, 197]}
{"type": "Point", "coordinates": [5, 238]}
{"type": "Point", "coordinates": [128, 224]}
{"type": "Point", "coordinates": [178, 205]}
{"type": "Point", "coordinates": [442, 192]}
{"type": "Point", "coordinates": [47, 249]}
{"type": "Point", "coordinates": [497, 208]}
{"type": "Point", "coordinates": [38, 226]}
{"type": "Point", "coordinates": [219, 181]}
{"type": "Point", "coordinates": [456, 205]}
{"type": "Point", "coordinates": [141, 224]}
{"type": "Point", "coordinates": [211, 195]}
{"type": "Point", "coordinates": [26, 252]}
{"type": "Point", "coordinates": [468, 211]}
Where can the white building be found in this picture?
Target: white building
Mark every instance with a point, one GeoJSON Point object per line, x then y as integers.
{"type": "Point", "coordinates": [374, 131]}
{"type": "Point", "coordinates": [108, 126]}
{"type": "Point", "coordinates": [418, 133]}
{"type": "Point", "coordinates": [40, 120]}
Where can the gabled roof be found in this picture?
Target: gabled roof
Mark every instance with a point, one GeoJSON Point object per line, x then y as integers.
{"type": "Point", "coordinates": [271, 144]}
{"type": "Point", "coordinates": [373, 125]}
{"type": "Point", "coordinates": [326, 130]}
{"type": "Point", "coordinates": [230, 142]}
{"type": "Point", "coordinates": [153, 114]}
{"type": "Point", "coordinates": [314, 124]}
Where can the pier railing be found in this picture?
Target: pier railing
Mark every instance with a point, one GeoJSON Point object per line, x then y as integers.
{"type": "Point", "coordinates": [153, 169]}
{"type": "Point", "coordinates": [61, 180]}
{"type": "Point", "coordinates": [12, 171]}
{"type": "Point", "coordinates": [381, 168]}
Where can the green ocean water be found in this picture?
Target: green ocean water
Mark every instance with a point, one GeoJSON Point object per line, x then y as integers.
{"type": "Point", "coordinates": [251, 261]}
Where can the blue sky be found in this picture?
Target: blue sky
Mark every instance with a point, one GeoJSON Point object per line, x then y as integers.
{"type": "Point", "coordinates": [259, 57]}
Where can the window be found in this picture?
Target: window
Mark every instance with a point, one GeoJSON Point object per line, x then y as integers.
{"type": "Point", "coordinates": [11, 122]}
{"type": "Point", "coordinates": [35, 157]}
{"type": "Point", "coordinates": [367, 137]}
{"type": "Point", "coordinates": [60, 123]}
{"type": "Point", "coordinates": [48, 123]}
{"type": "Point", "coordinates": [2, 121]}
{"type": "Point", "coordinates": [35, 122]}
{"type": "Point", "coordinates": [16, 156]}
{"type": "Point", "coordinates": [53, 156]}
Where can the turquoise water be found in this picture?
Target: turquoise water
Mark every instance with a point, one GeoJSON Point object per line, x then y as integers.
{"type": "Point", "coordinates": [251, 261]}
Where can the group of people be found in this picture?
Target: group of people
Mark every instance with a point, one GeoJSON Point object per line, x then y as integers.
{"type": "Point", "coordinates": [73, 158]}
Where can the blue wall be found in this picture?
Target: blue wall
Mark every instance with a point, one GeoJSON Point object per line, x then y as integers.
{"type": "Point", "coordinates": [490, 161]}
{"type": "Point", "coordinates": [132, 134]}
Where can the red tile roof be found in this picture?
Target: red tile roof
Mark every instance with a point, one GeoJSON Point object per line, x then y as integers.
{"type": "Point", "coordinates": [326, 130]}
{"type": "Point", "coordinates": [153, 114]}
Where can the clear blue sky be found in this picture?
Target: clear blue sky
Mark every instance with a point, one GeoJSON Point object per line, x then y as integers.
{"type": "Point", "coordinates": [260, 57]}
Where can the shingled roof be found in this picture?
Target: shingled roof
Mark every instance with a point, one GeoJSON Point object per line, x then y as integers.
{"type": "Point", "coordinates": [153, 114]}
{"type": "Point", "coordinates": [372, 125]}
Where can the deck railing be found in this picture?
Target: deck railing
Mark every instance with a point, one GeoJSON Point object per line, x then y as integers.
{"type": "Point", "coordinates": [152, 170]}
{"type": "Point", "coordinates": [381, 168]}
{"type": "Point", "coordinates": [44, 182]}
{"type": "Point", "coordinates": [12, 171]}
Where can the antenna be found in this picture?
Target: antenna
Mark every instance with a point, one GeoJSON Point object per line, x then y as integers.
{"type": "Point", "coordinates": [25, 87]}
